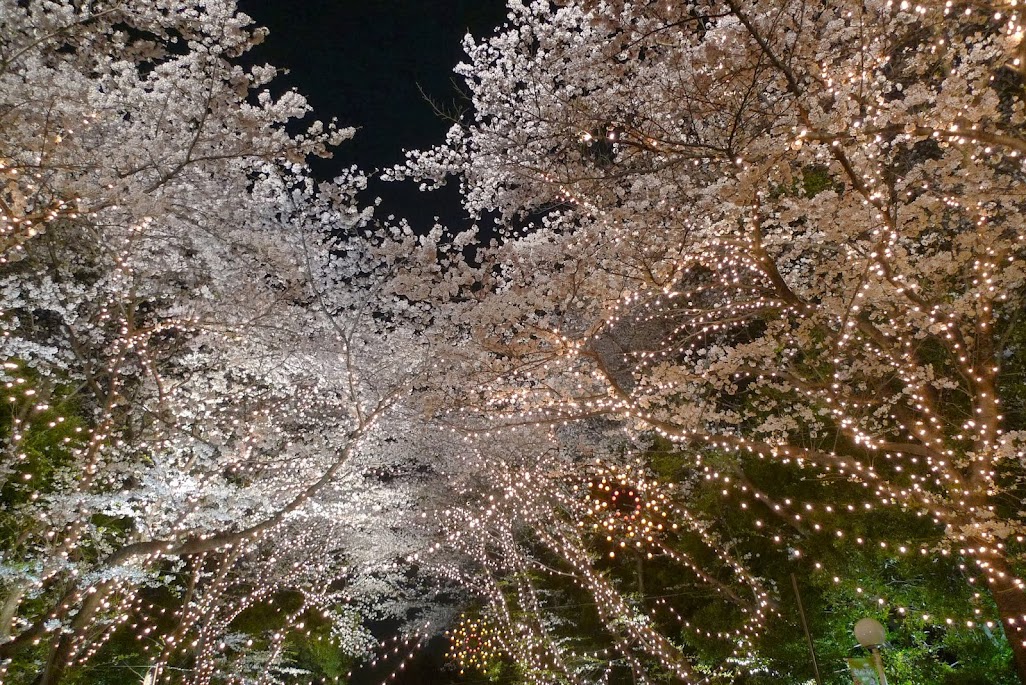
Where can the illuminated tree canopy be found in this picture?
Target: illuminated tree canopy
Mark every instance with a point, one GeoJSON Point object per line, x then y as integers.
{"type": "Point", "coordinates": [738, 324]}
{"type": "Point", "coordinates": [783, 238]}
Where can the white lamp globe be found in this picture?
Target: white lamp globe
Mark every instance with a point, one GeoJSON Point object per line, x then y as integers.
{"type": "Point", "coordinates": [870, 633]}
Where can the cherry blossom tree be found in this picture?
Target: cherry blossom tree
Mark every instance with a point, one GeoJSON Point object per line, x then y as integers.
{"type": "Point", "coordinates": [778, 231]}
{"type": "Point", "coordinates": [199, 356]}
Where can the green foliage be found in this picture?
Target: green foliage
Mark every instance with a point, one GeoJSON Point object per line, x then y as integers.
{"type": "Point", "coordinates": [841, 579]}
{"type": "Point", "coordinates": [51, 424]}
{"type": "Point", "coordinates": [268, 615]}
{"type": "Point", "coordinates": [26, 667]}
{"type": "Point", "coordinates": [815, 179]}
{"type": "Point", "coordinates": [316, 652]}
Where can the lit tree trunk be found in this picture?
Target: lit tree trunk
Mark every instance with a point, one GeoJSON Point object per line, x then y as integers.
{"type": "Point", "coordinates": [10, 608]}
{"type": "Point", "coordinates": [53, 670]}
{"type": "Point", "coordinates": [61, 652]}
{"type": "Point", "coordinates": [1005, 587]}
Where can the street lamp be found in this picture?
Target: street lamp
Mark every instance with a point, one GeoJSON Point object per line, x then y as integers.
{"type": "Point", "coordinates": [871, 634]}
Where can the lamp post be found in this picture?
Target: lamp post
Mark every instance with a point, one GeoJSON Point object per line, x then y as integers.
{"type": "Point", "coordinates": [871, 635]}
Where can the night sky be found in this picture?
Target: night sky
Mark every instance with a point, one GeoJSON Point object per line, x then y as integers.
{"type": "Point", "coordinates": [366, 63]}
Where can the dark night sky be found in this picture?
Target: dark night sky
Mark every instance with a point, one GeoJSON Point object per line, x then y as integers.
{"type": "Point", "coordinates": [366, 62]}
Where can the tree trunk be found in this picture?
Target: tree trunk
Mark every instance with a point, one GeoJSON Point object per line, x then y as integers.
{"type": "Point", "coordinates": [53, 670]}
{"type": "Point", "coordinates": [1011, 604]}
{"type": "Point", "coordinates": [57, 662]}
{"type": "Point", "coordinates": [10, 608]}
